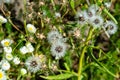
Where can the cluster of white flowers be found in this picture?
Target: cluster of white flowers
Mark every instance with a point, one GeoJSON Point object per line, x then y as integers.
{"type": "Point", "coordinates": [58, 47]}
{"type": "Point", "coordinates": [93, 17]}
{"type": "Point", "coordinates": [28, 48]}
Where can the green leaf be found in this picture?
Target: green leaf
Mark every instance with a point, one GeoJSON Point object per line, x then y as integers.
{"type": "Point", "coordinates": [60, 76]}
{"type": "Point", "coordinates": [8, 27]}
{"type": "Point", "coordinates": [72, 4]}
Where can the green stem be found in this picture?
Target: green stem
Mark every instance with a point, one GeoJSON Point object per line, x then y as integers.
{"type": "Point", "coordinates": [83, 52]}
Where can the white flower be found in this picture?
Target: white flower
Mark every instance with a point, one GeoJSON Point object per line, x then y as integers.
{"type": "Point", "coordinates": [7, 49]}
{"type": "Point", "coordinates": [5, 65]}
{"type": "Point", "coordinates": [16, 60]}
{"type": "Point", "coordinates": [23, 71]}
{"type": "Point", "coordinates": [29, 47]}
{"type": "Point", "coordinates": [6, 42]}
{"type": "Point", "coordinates": [107, 4]}
{"type": "Point", "coordinates": [96, 21]}
{"type": "Point", "coordinates": [31, 28]}
{"type": "Point", "coordinates": [2, 19]}
{"type": "Point", "coordinates": [2, 75]}
{"type": "Point", "coordinates": [9, 56]}
{"type": "Point", "coordinates": [54, 36]}
{"type": "Point", "coordinates": [111, 27]}
{"type": "Point", "coordinates": [24, 50]}
{"type": "Point", "coordinates": [58, 49]}
{"type": "Point", "coordinates": [33, 64]}
{"type": "Point", "coordinates": [57, 14]}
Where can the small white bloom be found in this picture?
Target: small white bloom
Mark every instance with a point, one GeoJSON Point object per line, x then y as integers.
{"type": "Point", "coordinates": [9, 56]}
{"type": "Point", "coordinates": [108, 4]}
{"type": "Point", "coordinates": [24, 50]}
{"type": "Point", "coordinates": [29, 47]}
{"type": "Point", "coordinates": [57, 14]}
{"type": "Point", "coordinates": [31, 28]}
{"type": "Point", "coordinates": [16, 60]}
{"type": "Point", "coordinates": [96, 21]}
{"type": "Point", "coordinates": [23, 71]}
{"type": "Point", "coordinates": [54, 36]}
{"type": "Point", "coordinates": [2, 75]}
{"type": "Point", "coordinates": [6, 42]}
{"type": "Point", "coordinates": [5, 65]}
{"type": "Point", "coordinates": [2, 19]}
{"type": "Point", "coordinates": [58, 49]}
{"type": "Point", "coordinates": [33, 64]}
{"type": "Point", "coordinates": [111, 27]}
{"type": "Point", "coordinates": [7, 49]}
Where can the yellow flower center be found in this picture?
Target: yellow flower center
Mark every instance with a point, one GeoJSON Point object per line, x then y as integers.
{"type": "Point", "coordinates": [1, 75]}
{"type": "Point", "coordinates": [31, 28]}
{"type": "Point", "coordinates": [6, 43]}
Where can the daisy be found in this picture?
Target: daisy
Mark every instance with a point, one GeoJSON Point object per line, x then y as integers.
{"type": "Point", "coordinates": [9, 56]}
{"type": "Point", "coordinates": [31, 28]}
{"type": "Point", "coordinates": [93, 9]}
{"type": "Point", "coordinates": [6, 42]}
{"type": "Point", "coordinates": [54, 36]}
{"type": "Point", "coordinates": [2, 19]}
{"type": "Point", "coordinates": [58, 49]}
{"type": "Point", "coordinates": [24, 50]}
{"type": "Point", "coordinates": [5, 65]}
{"type": "Point", "coordinates": [7, 49]}
{"type": "Point", "coordinates": [110, 27]}
{"type": "Point", "coordinates": [16, 60]}
{"type": "Point", "coordinates": [96, 21]}
{"type": "Point", "coordinates": [33, 64]}
{"type": "Point", "coordinates": [2, 75]}
{"type": "Point", "coordinates": [57, 14]}
{"type": "Point", "coordinates": [23, 71]}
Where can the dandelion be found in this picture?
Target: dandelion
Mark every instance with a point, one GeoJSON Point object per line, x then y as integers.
{"type": "Point", "coordinates": [2, 19]}
{"type": "Point", "coordinates": [97, 21]}
{"type": "Point", "coordinates": [93, 9]}
{"type": "Point", "coordinates": [58, 49]}
{"type": "Point", "coordinates": [5, 65]}
{"type": "Point", "coordinates": [31, 28]}
{"type": "Point", "coordinates": [110, 27]}
{"type": "Point", "coordinates": [16, 60]}
{"type": "Point", "coordinates": [2, 75]}
{"type": "Point", "coordinates": [6, 42]}
{"type": "Point", "coordinates": [7, 49]}
{"type": "Point", "coordinates": [33, 64]}
{"type": "Point", "coordinates": [24, 50]}
{"type": "Point", "coordinates": [54, 36]}
{"type": "Point", "coordinates": [23, 71]}
{"type": "Point", "coordinates": [9, 56]}
{"type": "Point", "coordinates": [81, 17]}
{"type": "Point", "coordinates": [29, 47]}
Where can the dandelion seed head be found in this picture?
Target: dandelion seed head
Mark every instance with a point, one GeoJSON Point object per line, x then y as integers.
{"type": "Point", "coordinates": [53, 36]}
{"type": "Point", "coordinates": [111, 27]}
{"type": "Point", "coordinates": [96, 21]}
{"type": "Point", "coordinates": [58, 49]}
{"type": "Point", "coordinates": [33, 64]}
